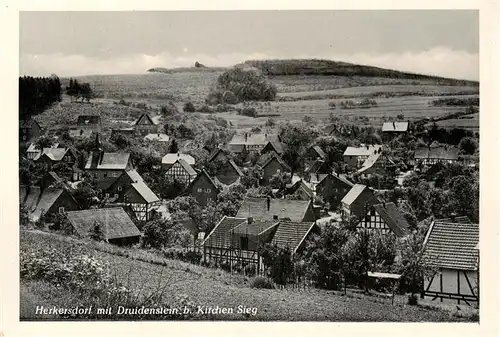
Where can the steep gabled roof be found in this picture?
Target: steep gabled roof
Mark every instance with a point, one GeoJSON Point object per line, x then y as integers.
{"type": "Point", "coordinates": [54, 154]}
{"type": "Point", "coordinates": [353, 194]}
{"type": "Point", "coordinates": [108, 161]}
{"type": "Point", "coordinates": [215, 153]}
{"type": "Point", "coordinates": [256, 227]}
{"type": "Point", "coordinates": [299, 185]}
{"type": "Point", "coordinates": [186, 167]}
{"type": "Point", "coordinates": [319, 151]}
{"type": "Point", "coordinates": [115, 222]}
{"type": "Point", "coordinates": [452, 245]}
{"type": "Point", "coordinates": [145, 192]}
{"type": "Point", "coordinates": [364, 150]}
{"type": "Point", "coordinates": [46, 200]}
{"type": "Point", "coordinates": [318, 166]}
{"type": "Point", "coordinates": [147, 117]}
{"type": "Point", "coordinates": [134, 175]}
{"type": "Point", "coordinates": [171, 158]}
{"type": "Point", "coordinates": [278, 147]}
{"type": "Point", "coordinates": [220, 236]}
{"type": "Point", "coordinates": [205, 174]}
{"type": "Point", "coordinates": [369, 162]}
{"type": "Point", "coordinates": [295, 210]}
{"type": "Point", "coordinates": [393, 218]}
{"type": "Point", "coordinates": [269, 157]}
{"type": "Point", "coordinates": [292, 234]}
{"type": "Point", "coordinates": [395, 127]}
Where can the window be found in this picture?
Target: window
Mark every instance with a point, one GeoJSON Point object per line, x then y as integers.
{"type": "Point", "coordinates": [372, 212]}
{"type": "Point", "coordinates": [105, 174]}
{"type": "Point", "coordinates": [208, 190]}
{"type": "Point", "coordinates": [114, 174]}
{"type": "Point", "coordinates": [116, 195]}
{"type": "Point", "coordinates": [106, 195]}
{"type": "Point", "coordinates": [119, 188]}
{"type": "Point", "coordinates": [244, 242]}
{"type": "Point", "coordinates": [200, 190]}
{"type": "Point", "coordinates": [278, 171]}
{"type": "Point", "coordinates": [61, 210]}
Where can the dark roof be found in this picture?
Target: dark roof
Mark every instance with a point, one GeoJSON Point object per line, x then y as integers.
{"type": "Point", "coordinates": [46, 200]}
{"type": "Point", "coordinates": [88, 119]}
{"type": "Point", "coordinates": [295, 210]}
{"type": "Point", "coordinates": [452, 245]}
{"type": "Point", "coordinates": [318, 166]}
{"type": "Point", "coordinates": [107, 161]}
{"type": "Point", "coordinates": [37, 201]}
{"type": "Point", "coordinates": [393, 218]}
{"type": "Point", "coordinates": [214, 154]}
{"type": "Point", "coordinates": [256, 227]}
{"type": "Point", "coordinates": [145, 115]}
{"type": "Point", "coordinates": [220, 236]}
{"type": "Point", "coordinates": [267, 158]}
{"type": "Point", "coordinates": [278, 147]}
{"type": "Point", "coordinates": [115, 221]}
{"type": "Point", "coordinates": [292, 234]}
{"type": "Point", "coordinates": [441, 152]}
{"type": "Point", "coordinates": [319, 151]}
{"type": "Point", "coordinates": [201, 174]}
{"type": "Point", "coordinates": [236, 168]}
{"type": "Point", "coordinates": [299, 184]}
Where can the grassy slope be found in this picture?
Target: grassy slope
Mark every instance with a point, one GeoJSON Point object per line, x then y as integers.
{"type": "Point", "coordinates": [212, 287]}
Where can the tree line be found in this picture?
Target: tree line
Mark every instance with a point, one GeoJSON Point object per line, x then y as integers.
{"type": "Point", "coordinates": [76, 90]}
{"type": "Point", "coordinates": [37, 93]}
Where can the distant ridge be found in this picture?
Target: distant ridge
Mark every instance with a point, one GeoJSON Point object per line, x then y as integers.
{"type": "Point", "coordinates": [334, 68]}
{"type": "Point", "coordinates": [186, 69]}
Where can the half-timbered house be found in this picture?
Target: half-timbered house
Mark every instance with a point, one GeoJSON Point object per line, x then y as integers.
{"type": "Point", "coordinates": [332, 188]}
{"type": "Point", "coordinates": [385, 218]}
{"type": "Point", "coordinates": [41, 202]}
{"type": "Point", "coordinates": [170, 158]}
{"type": "Point", "coordinates": [357, 200]}
{"type": "Point", "coordinates": [451, 253]}
{"type": "Point", "coordinates": [29, 129]}
{"type": "Point", "coordinates": [145, 125]}
{"type": "Point", "coordinates": [89, 122]}
{"type": "Point", "coordinates": [271, 164]}
{"type": "Point", "coordinates": [277, 209]}
{"type": "Point", "coordinates": [355, 156]}
{"type": "Point", "coordinates": [181, 171]}
{"type": "Point", "coordinates": [204, 189]}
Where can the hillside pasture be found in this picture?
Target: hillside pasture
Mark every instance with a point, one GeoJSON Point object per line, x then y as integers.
{"type": "Point", "coordinates": [213, 287]}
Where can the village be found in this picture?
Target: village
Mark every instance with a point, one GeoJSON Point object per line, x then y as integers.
{"type": "Point", "coordinates": [264, 199]}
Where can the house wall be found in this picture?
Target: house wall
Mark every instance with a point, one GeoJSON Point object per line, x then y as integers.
{"type": "Point", "coordinates": [365, 199]}
{"type": "Point", "coordinates": [103, 174]}
{"type": "Point", "coordinates": [204, 191]}
{"type": "Point", "coordinates": [178, 172]}
{"type": "Point", "coordinates": [271, 169]}
{"type": "Point", "coordinates": [453, 282]}
{"type": "Point", "coordinates": [227, 174]}
{"type": "Point", "coordinates": [119, 187]}
{"type": "Point", "coordinates": [309, 216]}
{"type": "Point", "coordinates": [333, 191]}
{"type": "Point", "coordinates": [374, 222]}
{"type": "Point", "coordinates": [65, 201]}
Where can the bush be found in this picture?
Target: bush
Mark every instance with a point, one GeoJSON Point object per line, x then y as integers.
{"type": "Point", "coordinates": [412, 299]}
{"type": "Point", "coordinates": [206, 109]}
{"type": "Point", "coordinates": [248, 111]}
{"type": "Point", "coordinates": [186, 255]}
{"type": "Point", "coordinates": [250, 270]}
{"type": "Point", "coordinates": [169, 109]}
{"type": "Point", "coordinates": [189, 107]}
{"type": "Point", "coordinates": [262, 283]}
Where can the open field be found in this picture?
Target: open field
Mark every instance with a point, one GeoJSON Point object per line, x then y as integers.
{"type": "Point", "coordinates": [213, 287]}
{"type": "Point", "coordinates": [309, 95]}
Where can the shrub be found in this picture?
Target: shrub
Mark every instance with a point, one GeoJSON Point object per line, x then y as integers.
{"type": "Point", "coordinates": [412, 299]}
{"type": "Point", "coordinates": [248, 111]}
{"type": "Point", "coordinates": [189, 107]}
{"type": "Point", "coordinates": [262, 283]}
{"type": "Point", "coordinates": [250, 270]}
{"type": "Point", "coordinates": [229, 97]}
{"type": "Point", "coordinates": [169, 109]}
{"type": "Point", "coordinates": [206, 109]}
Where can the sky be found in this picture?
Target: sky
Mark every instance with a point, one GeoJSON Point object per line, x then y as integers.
{"type": "Point", "coordinates": [435, 42]}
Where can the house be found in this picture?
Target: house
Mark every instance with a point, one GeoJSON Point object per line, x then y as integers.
{"type": "Point", "coordinates": [451, 253]}
{"type": "Point", "coordinates": [332, 188]}
{"type": "Point", "coordinates": [145, 125]}
{"type": "Point", "coordinates": [271, 164]}
{"type": "Point", "coordinates": [106, 167]}
{"type": "Point", "coordinates": [181, 171]}
{"type": "Point", "coordinates": [116, 190]}
{"type": "Point", "coordinates": [433, 155]}
{"type": "Point", "coordinates": [47, 201]}
{"type": "Point", "coordinates": [33, 151]}
{"type": "Point", "coordinates": [317, 167]}
{"type": "Point", "coordinates": [357, 200]}
{"type": "Point", "coordinates": [293, 235]}
{"type": "Point", "coordinates": [315, 153]}
{"type": "Point", "coordinates": [49, 156]}
{"type": "Point", "coordinates": [229, 173]}
{"type": "Point", "coordinates": [236, 241]}
{"type": "Point", "coordinates": [89, 122]}
{"type": "Point", "coordinates": [379, 163]}
{"type": "Point", "coordinates": [204, 189]}
{"type": "Point", "coordinates": [29, 129]}
{"type": "Point", "coordinates": [80, 133]}
{"type": "Point", "coordinates": [385, 218]}
{"type": "Point", "coordinates": [117, 227]}
{"type": "Point", "coordinates": [49, 179]}
{"type": "Point", "coordinates": [277, 209]}
{"type": "Point", "coordinates": [141, 200]}
{"type": "Point", "coordinates": [299, 190]}
{"type": "Point", "coordinates": [274, 146]}
{"type": "Point", "coordinates": [219, 154]}
{"type": "Point", "coordinates": [253, 142]}
{"type": "Point", "coordinates": [392, 129]}
{"type": "Point", "coordinates": [170, 158]}
{"type": "Point", "coordinates": [157, 137]}
{"type": "Point", "coordinates": [355, 156]}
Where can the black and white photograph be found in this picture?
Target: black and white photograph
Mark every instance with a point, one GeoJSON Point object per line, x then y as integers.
{"type": "Point", "coordinates": [249, 165]}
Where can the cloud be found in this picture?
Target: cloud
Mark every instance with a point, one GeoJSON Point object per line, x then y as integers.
{"type": "Point", "coordinates": [439, 61]}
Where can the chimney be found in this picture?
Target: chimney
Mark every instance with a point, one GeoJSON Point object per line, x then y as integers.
{"type": "Point", "coordinates": [250, 220]}
{"type": "Point", "coordinates": [101, 156]}
{"type": "Point", "coordinates": [317, 176]}
{"type": "Point", "coordinates": [268, 201]}
{"type": "Point", "coordinates": [178, 154]}
{"type": "Point", "coordinates": [394, 125]}
{"type": "Point", "coordinates": [246, 137]}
